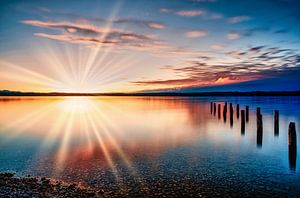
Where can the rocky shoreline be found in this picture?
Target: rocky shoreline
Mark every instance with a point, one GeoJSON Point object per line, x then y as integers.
{"type": "Point", "coordinates": [13, 186]}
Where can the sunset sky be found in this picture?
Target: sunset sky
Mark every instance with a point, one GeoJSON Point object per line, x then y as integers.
{"type": "Point", "coordinates": [136, 45]}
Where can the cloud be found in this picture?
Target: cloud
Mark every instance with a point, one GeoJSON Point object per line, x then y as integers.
{"type": "Point", "coordinates": [196, 34]}
{"type": "Point", "coordinates": [155, 25]}
{"type": "Point", "coordinates": [175, 82]}
{"type": "Point", "coordinates": [238, 19]}
{"type": "Point", "coordinates": [217, 47]}
{"type": "Point", "coordinates": [140, 23]}
{"type": "Point", "coordinates": [88, 34]}
{"type": "Point", "coordinates": [192, 13]}
{"type": "Point", "coordinates": [215, 16]}
{"type": "Point", "coordinates": [189, 13]}
{"type": "Point", "coordinates": [128, 21]}
{"type": "Point", "coordinates": [253, 63]}
{"type": "Point", "coordinates": [165, 10]}
{"type": "Point", "coordinates": [233, 36]}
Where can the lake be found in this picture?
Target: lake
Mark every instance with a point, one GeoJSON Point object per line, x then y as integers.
{"type": "Point", "coordinates": [153, 146]}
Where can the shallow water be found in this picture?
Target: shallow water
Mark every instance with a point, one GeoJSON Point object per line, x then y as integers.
{"type": "Point", "coordinates": [152, 145]}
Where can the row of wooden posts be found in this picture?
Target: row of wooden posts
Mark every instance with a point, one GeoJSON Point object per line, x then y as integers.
{"type": "Point", "coordinates": [292, 137]}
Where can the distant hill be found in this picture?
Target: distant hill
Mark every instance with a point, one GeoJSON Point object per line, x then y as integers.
{"type": "Point", "coordinates": [234, 93]}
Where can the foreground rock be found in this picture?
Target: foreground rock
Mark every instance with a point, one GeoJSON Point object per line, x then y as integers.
{"type": "Point", "coordinates": [12, 186]}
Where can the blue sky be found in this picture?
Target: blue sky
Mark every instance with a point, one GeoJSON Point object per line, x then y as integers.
{"type": "Point", "coordinates": [112, 46]}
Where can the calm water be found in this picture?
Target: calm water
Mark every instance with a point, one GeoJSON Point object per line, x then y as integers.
{"type": "Point", "coordinates": [152, 145]}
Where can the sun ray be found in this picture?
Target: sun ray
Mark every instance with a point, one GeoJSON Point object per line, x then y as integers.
{"type": "Point", "coordinates": [26, 122]}
{"type": "Point", "coordinates": [94, 52]}
{"type": "Point", "coordinates": [34, 77]}
{"type": "Point", "coordinates": [64, 146]}
{"type": "Point", "coordinates": [102, 146]}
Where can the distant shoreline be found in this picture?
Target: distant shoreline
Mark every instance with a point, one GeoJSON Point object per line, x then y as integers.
{"type": "Point", "coordinates": [191, 94]}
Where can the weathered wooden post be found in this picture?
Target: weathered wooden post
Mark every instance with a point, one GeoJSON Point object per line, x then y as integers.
{"type": "Point", "coordinates": [259, 136]}
{"type": "Point", "coordinates": [237, 110]}
{"type": "Point", "coordinates": [292, 146]}
{"type": "Point", "coordinates": [225, 112]}
{"type": "Point", "coordinates": [247, 113]}
{"type": "Point", "coordinates": [243, 122]}
{"type": "Point", "coordinates": [215, 108]}
{"type": "Point", "coordinates": [219, 111]}
{"type": "Point", "coordinates": [276, 122]}
{"type": "Point", "coordinates": [258, 111]}
{"type": "Point", "coordinates": [231, 114]}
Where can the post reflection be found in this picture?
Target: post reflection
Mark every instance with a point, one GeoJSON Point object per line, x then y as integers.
{"type": "Point", "coordinates": [82, 136]}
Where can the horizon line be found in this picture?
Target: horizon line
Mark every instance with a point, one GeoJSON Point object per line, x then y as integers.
{"type": "Point", "coordinates": [163, 93]}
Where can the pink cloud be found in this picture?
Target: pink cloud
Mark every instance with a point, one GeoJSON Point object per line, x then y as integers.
{"type": "Point", "coordinates": [93, 36]}
{"type": "Point", "coordinates": [155, 25]}
{"type": "Point", "coordinates": [195, 33]}
{"type": "Point", "coordinates": [233, 36]}
{"type": "Point", "coordinates": [217, 47]}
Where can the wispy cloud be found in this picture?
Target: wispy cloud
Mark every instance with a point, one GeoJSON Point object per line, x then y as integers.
{"type": "Point", "coordinates": [196, 33]}
{"type": "Point", "coordinates": [189, 13]}
{"type": "Point", "coordinates": [254, 63]}
{"type": "Point", "coordinates": [156, 25]}
{"type": "Point", "coordinates": [238, 19]}
{"type": "Point", "coordinates": [183, 13]}
{"type": "Point", "coordinates": [165, 10]}
{"type": "Point", "coordinates": [140, 23]}
{"type": "Point", "coordinates": [217, 47]}
{"type": "Point", "coordinates": [84, 33]}
{"type": "Point", "coordinates": [120, 20]}
{"type": "Point", "coordinates": [233, 36]}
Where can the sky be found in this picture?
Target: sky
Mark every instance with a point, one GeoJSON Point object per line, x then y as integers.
{"type": "Point", "coordinates": [141, 45]}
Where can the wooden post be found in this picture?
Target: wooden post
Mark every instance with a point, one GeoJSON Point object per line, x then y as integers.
{"type": "Point", "coordinates": [237, 110]}
{"type": "Point", "coordinates": [247, 113]}
{"type": "Point", "coordinates": [219, 111]}
{"type": "Point", "coordinates": [292, 146]}
{"type": "Point", "coordinates": [225, 112]}
{"type": "Point", "coordinates": [259, 136]}
{"type": "Point", "coordinates": [211, 107]}
{"type": "Point", "coordinates": [276, 122]}
{"type": "Point", "coordinates": [257, 111]}
{"type": "Point", "coordinates": [231, 114]}
{"type": "Point", "coordinates": [243, 122]}
{"type": "Point", "coordinates": [215, 108]}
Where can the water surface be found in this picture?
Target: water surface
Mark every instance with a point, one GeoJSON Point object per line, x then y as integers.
{"type": "Point", "coordinates": [152, 145]}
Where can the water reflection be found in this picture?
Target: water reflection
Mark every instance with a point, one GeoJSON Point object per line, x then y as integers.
{"type": "Point", "coordinates": [79, 137]}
